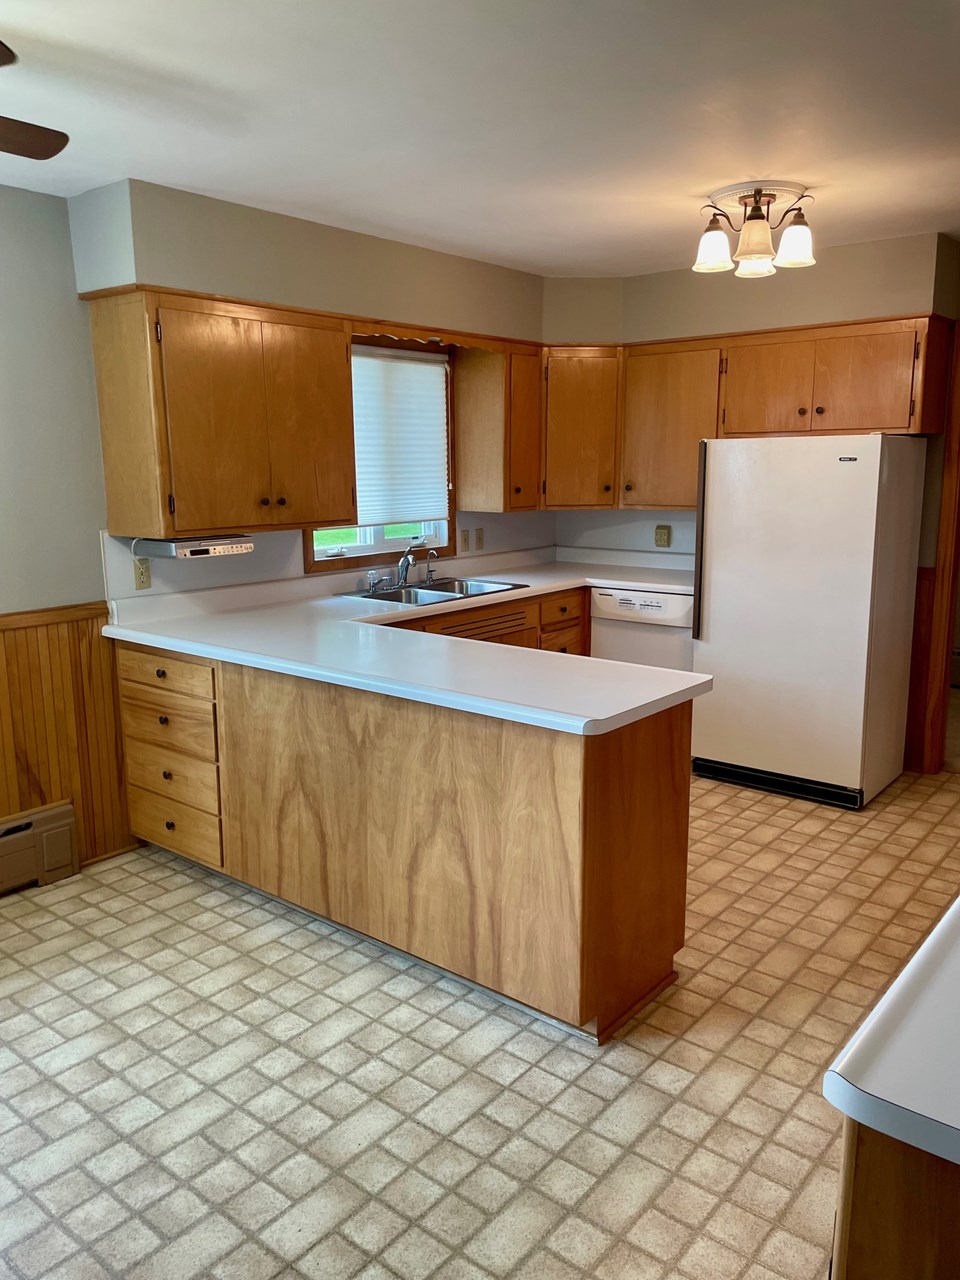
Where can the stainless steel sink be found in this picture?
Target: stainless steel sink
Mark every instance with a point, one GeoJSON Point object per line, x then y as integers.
{"type": "Point", "coordinates": [409, 595]}
{"type": "Point", "coordinates": [474, 586]}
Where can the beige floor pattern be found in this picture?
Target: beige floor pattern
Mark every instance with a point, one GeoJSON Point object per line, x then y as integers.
{"type": "Point", "coordinates": [196, 1080]}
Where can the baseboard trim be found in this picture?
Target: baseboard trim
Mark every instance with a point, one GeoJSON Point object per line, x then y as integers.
{"type": "Point", "coordinates": [781, 784]}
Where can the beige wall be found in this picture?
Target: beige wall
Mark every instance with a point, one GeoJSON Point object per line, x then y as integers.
{"type": "Point", "coordinates": [586, 311]}
{"type": "Point", "coordinates": [192, 242]}
{"type": "Point", "coordinates": [850, 282]}
{"type": "Point", "coordinates": [51, 477]}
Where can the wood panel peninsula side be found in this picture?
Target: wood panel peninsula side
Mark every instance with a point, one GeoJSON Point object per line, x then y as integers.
{"type": "Point", "coordinates": [550, 867]}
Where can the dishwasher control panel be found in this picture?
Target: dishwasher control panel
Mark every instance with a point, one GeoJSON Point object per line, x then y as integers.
{"type": "Point", "coordinates": [653, 607]}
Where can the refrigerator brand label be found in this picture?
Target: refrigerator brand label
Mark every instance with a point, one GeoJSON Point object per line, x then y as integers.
{"type": "Point", "coordinates": [848, 459]}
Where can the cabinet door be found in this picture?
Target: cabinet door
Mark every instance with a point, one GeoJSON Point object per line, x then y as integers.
{"type": "Point", "coordinates": [582, 402]}
{"type": "Point", "coordinates": [216, 419]}
{"type": "Point", "coordinates": [526, 639]}
{"type": "Point", "coordinates": [768, 388]}
{"type": "Point", "coordinates": [864, 383]}
{"type": "Point", "coordinates": [310, 424]}
{"type": "Point", "coordinates": [670, 405]}
{"type": "Point", "coordinates": [523, 478]}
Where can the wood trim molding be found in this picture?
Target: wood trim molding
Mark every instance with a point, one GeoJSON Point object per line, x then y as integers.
{"type": "Point", "coordinates": [59, 722]}
{"type": "Point", "coordinates": [932, 694]}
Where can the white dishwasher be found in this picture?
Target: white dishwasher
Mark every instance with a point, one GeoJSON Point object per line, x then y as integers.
{"type": "Point", "coordinates": [654, 628]}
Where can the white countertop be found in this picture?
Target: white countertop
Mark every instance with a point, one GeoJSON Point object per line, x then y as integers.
{"type": "Point", "coordinates": [325, 638]}
{"type": "Point", "coordinates": [900, 1074]}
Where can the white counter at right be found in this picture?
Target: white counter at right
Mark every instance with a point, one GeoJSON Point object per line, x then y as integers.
{"type": "Point", "coordinates": [900, 1074]}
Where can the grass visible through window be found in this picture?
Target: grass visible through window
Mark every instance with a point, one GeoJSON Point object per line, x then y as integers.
{"type": "Point", "coordinates": [413, 529]}
{"type": "Point", "coordinates": [323, 539]}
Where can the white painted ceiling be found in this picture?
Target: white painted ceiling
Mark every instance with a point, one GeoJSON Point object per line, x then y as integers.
{"type": "Point", "coordinates": [565, 137]}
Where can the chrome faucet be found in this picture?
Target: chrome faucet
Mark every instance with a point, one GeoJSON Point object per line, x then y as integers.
{"type": "Point", "coordinates": [432, 558]}
{"type": "Point", "coordinates": [407, 561]}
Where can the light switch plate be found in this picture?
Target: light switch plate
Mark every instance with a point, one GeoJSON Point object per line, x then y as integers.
{"type": "Point", "coordinates": [464, 539]}
{"type": "Point", "coordinates": [478, 539]}
{"type": "Point", "coordinates": [663, 535]}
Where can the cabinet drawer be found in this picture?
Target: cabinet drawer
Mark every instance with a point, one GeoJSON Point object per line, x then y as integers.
{"type": "Point", "coordinates": [526, 639]}
{"type": "Point", "coordinates": [163, 672]}
{"type": "Point", "coordinates": [175, 826]}
{"type": "Point", "coordinates": [171, 719]}
{"type": "Point", "coordinates": [563, 639]}
{"type": "Point", "coordinates": [565, 606]}
{"type": "Point", "coordinates": [168, 773]}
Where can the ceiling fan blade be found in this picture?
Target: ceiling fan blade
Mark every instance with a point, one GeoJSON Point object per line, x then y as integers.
{"type": "Point", "coordinates": [7, 56]}
{"type": "Point", "coordinates": [30, 140]}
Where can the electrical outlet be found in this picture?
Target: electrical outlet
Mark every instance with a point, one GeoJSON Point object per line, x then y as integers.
{"type": "Point", "coordinates": [663, 535]}
{"type": "Point", "coordinates": [464, 539]}
{"type": "Point", "coordinates": [478, 539]}
{"type": "Point", "coordinates": [141, 574]}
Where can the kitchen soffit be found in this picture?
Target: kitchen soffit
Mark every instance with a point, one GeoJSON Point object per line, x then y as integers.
{"type": "Point", "coordinates": [561, 138]}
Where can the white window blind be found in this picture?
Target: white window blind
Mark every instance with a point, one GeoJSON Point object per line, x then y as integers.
{"type": "Point", "coordinates": [400, 432]}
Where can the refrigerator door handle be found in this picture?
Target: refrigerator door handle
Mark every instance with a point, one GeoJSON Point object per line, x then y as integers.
{"type": "Point", "coordinates": [698, 552]}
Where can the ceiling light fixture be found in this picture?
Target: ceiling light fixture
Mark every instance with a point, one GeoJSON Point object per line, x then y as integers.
{"type": "Point", "coordinates": [755, 256]}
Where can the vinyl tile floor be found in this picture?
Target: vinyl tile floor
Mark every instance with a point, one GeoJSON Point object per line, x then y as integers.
{"type": "Point", "coordinates": [196, 1080]}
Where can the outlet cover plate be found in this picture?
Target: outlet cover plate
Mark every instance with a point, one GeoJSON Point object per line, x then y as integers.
{"type": "Point", "coordinates": [663, 535]}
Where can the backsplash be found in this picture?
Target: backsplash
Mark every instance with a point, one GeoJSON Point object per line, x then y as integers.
{"type": "Point", "coordinates": [627, 537]}
{"type": "Point", "coordinates": [279, 556]}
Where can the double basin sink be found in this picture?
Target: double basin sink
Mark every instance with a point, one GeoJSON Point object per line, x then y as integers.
{"type": "Point", "coordinates": [437, 591]}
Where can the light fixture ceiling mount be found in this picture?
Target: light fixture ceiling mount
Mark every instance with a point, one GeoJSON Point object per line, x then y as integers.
{"type": "Point", "coordinates": [758, 204]}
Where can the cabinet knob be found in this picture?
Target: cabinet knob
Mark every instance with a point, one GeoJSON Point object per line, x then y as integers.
{"type": "Point", "coordinates": [628, 487]}
{"type": "Point", "coordinates": [802, 412]}
{"type": "Point", "coordinates": [607, 488]}
{"type": "Point", "coordinates": [563, 608]}
{"type": "Point", "coordinates": [820, 409]}
{"type": "Point", "coordinates": [164, 719]}
{"type": "Point", "coordinates": [170, 825]}
{"type": "Point", "coordinates": [564, 649]}
{"type": "Point", "coordinates": [161, 674]}
{"type": "Point", "coordinates": [168, 776]}
{"type": "Point", "coordinates": [517, 489]}
{"type": "Point", "coordinates": [281, 502]}
{"type": "Point", "coordinates": [264, 502]}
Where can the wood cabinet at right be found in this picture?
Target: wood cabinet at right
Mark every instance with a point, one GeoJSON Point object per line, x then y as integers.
{"type": "Point", "coordinates": [883, 377]}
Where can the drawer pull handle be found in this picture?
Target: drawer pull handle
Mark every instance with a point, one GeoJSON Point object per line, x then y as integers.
{"type": "Point", "coordinates": [164, 719]}
{"type": "Point", "coordinates": [161, 674]}
{"type": "Point", "coordinates": [517, 489]}
{"type": "Point", "coordinates": [563, 608]}
{"type": "Point", "coordinates": [170, 825]}
{"type": "Point", "coordinates": [168, 776]}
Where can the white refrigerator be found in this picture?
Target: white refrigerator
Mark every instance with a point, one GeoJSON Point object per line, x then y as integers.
{"type": "Point", "coordinates": [803, 611]}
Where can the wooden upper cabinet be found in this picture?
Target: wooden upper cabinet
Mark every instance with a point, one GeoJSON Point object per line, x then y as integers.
{"type": "Point", "coordinates": [219, 416]}
{"type": "Point", "coordinates": [496, 414]}
{"type": "Point", "coordinates": [309, 410]}
{"type": "Point", "coordinates": [583, 394]}
{"type": "Point", "coordinates": [216, 419]}
{"type": "Point", "coordinates": [523, 481]}
{"type": "Point", "coordinates": [768, 388]}
{"type": "Point", "coordinates": [670, 405]}
{"type": "Point", "coordinates": [864, 383]}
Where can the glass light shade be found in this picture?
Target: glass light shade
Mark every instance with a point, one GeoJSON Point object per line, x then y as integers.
{"type": "Point", "coordinates": [796, 246]}
{"type": "Point", "coordinates": [756, 268]}
{"type": "Point", "coordinates": [714, 251]}
{"type": "Point", "coordinates": [755, 241]}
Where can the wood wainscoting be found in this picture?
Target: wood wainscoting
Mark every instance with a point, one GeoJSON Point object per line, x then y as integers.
{"type": "Point", "coordinates": [59, 722]}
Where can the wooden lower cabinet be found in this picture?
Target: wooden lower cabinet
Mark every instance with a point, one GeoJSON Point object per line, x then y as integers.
{"type": "Point", "coordinates": [169, 711]}
{"type": "Point", "coordinates": [543, 865]}
{"type": "Point", "coordinates": [897, 1210]}
{"type": "Point", "coordinates": [559, 621]}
